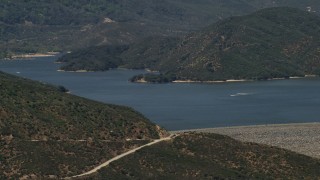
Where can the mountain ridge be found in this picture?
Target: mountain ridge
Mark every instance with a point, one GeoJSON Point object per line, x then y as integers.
{"type": "Point", "coordinates": [65, 25]}
{"type": "Point", "coordinates": [270, 43]}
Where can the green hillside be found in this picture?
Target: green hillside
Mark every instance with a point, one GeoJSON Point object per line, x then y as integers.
{"type": "Point", "coordinates": [270, 43]}
{"type": "Point", "coordinates": [45, 131]}
{"type": "Point", "coordinates": [143, 54]}
{"type": "Point", "coordinates": [211, 156]}
{"type": "Point", "coordinates": [63, 25]}
{"type": "Point", "coordinates": [94, 58]}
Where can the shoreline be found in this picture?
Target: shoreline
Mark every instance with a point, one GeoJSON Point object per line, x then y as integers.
{"type": "Point", "coordinates": [229, 80]}
{"type": "Point", "coordinates": [246, 126]}
{"type": "Point", "coordinates": [77, 71]}
{"type": "Point", "coordinates": [197, 81]}
{"type": "Point", "coordinates": [34, 55]}
{"type": "Point", "coordinates": [245, 80]}
{"type": "Point", "coordinates": [226, 81]}
{"type": "Point", "coordinates": [303, 138]}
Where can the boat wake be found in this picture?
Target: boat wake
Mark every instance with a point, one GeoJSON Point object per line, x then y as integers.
{"type": "Point", "coordinates": [239, 94]}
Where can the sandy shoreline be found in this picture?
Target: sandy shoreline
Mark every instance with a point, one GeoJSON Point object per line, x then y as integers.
{"type": "Point", "coordinates": [303, 138]}
{"type": "Point", "coordinates": [77, 71]}
{"type": "Point", "coordinates": [229, 80]}
{"type": "Point", "coordinates": [34, 55]}
{"type": "Point", "coordinates": [242, 80]}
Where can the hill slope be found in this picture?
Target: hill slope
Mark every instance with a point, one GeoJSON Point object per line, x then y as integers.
{"type": "Point", "coordinates": [62, 25]}
{"type": "Point", "coordinates": [146, 53]}
{"type": "Point", "coordinates": [211, 156]}
{"type": "Point", "coordinates": [270, 43]}
{"type": "Point", "coordinates": [44, 131]}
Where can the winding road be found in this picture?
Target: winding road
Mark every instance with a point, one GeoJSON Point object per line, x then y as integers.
{"type": "Point", "coordinates": [121, 156]}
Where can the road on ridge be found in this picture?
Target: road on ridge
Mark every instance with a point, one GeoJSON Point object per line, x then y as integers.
{"type": "Point", "coordinates": [121, 156]}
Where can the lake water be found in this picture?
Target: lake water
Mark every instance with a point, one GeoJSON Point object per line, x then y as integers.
{"type": "Point", "coordinates": [186, 106]}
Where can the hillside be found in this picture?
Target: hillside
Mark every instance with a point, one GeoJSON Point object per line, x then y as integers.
{"type": "Point", "coordinates": [45, 131]}
{"type": "Point", "coordinates": [64, 25]}
{"type": "Point", "coordinates": [143, 54]}
{"type": "Point", "coordinates": [94, 58]}
{"type": "Point", "coordinates": [270, 43]}
{"type": "Point", "coordinates": [212, 156]}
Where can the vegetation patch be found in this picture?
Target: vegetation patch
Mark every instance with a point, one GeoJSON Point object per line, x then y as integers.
{"type": "Point", "coordinates": [66, 25]}
{"type": "Point", "coordinates": [45, 131]}
{"type": "Point", "coordinates": [270, 43]}
{"type": "Point", "coordinates": [211, 156]}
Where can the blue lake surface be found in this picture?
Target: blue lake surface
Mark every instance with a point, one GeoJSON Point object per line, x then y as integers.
{"type": "Point", "coordinates": [186, 106]}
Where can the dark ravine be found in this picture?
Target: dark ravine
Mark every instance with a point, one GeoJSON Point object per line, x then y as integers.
{"type": "Point", "coordinates": [271, 43]}
{"type": "Point", "coordinates": [94, 58]}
